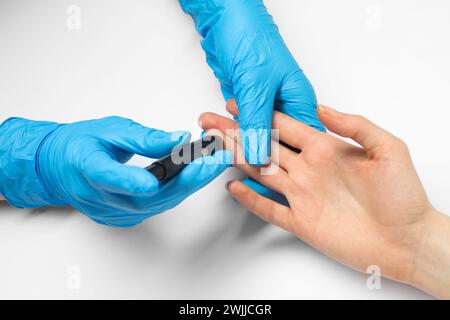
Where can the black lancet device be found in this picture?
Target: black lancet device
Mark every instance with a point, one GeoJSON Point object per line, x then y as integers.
{"type": "Point", "coordinates": [172, 164]}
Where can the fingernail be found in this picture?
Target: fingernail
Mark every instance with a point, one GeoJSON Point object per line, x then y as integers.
{"type": "Point", "coordinates": [328, 110]}
{"type": "Point", "coordinates": [228, 107]}
{"type": "Point", "coordinates": [200, 120]}
{"type": "Point", "coordinates": [227, 185]}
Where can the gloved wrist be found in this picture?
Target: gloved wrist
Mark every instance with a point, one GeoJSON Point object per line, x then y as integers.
{"type": "Point", "coordinates": [51, 161]}
{"type": "Point", "coordinates": [20, 141]}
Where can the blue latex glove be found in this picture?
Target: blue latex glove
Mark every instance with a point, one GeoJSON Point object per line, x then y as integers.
{"type": "Point", "coordinates": [82, 165]}
{"type": "Point", "coordinates": [249, 57]}
{"type": "Point", "coordinates": [253, 64]}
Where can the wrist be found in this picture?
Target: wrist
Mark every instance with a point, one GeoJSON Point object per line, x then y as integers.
{"type": "Point", "coordinates": [20, 140]}
{"type": "Point", "coordinates": [432, 258]}
{"type": "Point", "coordinates": [48, 158]}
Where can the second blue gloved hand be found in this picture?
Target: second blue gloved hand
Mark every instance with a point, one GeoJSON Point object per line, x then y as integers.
{"type": "Point", "coordinates": [82, 164]}
{"type": "Point", "coordinates": [249, 57]}
{"type": "Point", "coordinates": [253, 64]}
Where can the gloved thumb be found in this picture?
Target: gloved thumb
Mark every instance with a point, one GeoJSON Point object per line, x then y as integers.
{"type": "Point", "coordinates": [148, 142]}
{"type": "Point", "coordinates": [104, 173]}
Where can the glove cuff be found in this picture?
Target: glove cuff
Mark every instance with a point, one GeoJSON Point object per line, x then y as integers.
{"type": "Point", "coordinates": [20, 140]}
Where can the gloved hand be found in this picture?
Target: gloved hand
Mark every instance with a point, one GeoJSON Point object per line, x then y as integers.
{"type": "Point", "coordinates": [82, 165]}
{"type": "Point", "coordinates": [254, 66]}
{"type": "Point", "coordinates": [249, 57]}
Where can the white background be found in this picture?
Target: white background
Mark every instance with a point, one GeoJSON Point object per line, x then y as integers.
{"type": "Point", "coordinates": [388, 60]}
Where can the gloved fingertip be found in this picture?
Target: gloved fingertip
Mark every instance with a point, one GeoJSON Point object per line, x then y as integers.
{"type": "Point", "coordinates": [139, 182]}
{"type": "Point", "coordinates": [256, 146]}
{"type": "Point", "coordinates": [266, 192]}
{"type": "Point", "coordinates": [255, 186]}
{"type": "Point", "coordinates": [181, 137]}
{"type": "Point", "coordinates": [152, 185]}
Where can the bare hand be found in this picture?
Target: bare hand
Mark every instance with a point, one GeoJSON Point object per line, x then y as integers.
{"type": "Point", "coordinates": [362, 206]}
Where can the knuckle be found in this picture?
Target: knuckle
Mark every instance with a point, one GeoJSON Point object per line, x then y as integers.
{"type": "Point", "coordinates": [359, 119]}
{"type": "Point", "coordinates": [401, 145]}
{"type": "Point", "coordinates": [395, 144]}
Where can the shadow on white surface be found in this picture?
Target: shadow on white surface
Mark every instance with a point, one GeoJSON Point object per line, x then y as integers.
{"type": "Point", "coordinates": [236, 256]}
